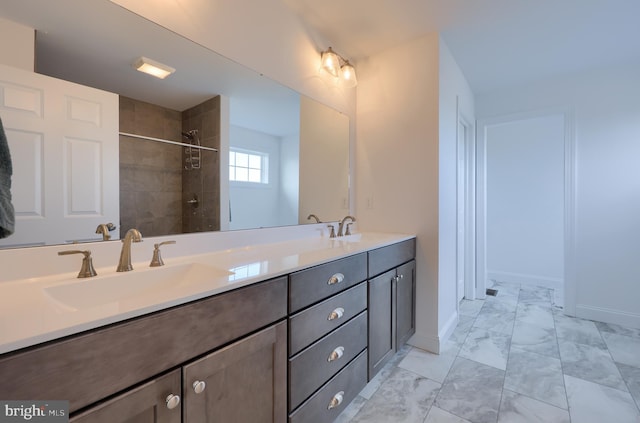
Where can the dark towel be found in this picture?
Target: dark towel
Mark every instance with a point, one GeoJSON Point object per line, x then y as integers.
{"type": "Point", "coordinates": [7, 215]}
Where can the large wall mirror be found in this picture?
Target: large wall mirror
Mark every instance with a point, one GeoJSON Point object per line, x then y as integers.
{"type": "Point", "coordinates": [243, 151]}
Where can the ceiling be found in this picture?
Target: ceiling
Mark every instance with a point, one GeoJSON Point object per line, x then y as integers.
{"type": "Point", "coordinates": [496, 43]}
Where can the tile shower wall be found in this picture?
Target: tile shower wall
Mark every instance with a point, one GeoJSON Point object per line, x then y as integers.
{"type": "Point", "coordinates": [150, 172]}
{"type": "Point", "coordinates": [200, 187]}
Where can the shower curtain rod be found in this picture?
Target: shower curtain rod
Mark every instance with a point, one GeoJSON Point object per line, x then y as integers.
{"type": "Point", "coordinates": [183, 144]}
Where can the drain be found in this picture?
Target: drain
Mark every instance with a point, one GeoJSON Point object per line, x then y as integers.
{"type": "Point", "coordinates": [492, 292]}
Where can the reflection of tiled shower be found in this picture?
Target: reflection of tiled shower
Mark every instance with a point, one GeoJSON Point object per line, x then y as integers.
{"type": "Point", "coordinates": [157, 193]}
{"type": "Point", "coordinates": [201, 170]}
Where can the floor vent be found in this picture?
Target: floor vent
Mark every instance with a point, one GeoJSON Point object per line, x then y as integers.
{"type": "Point", "coordinates": [492, 292]}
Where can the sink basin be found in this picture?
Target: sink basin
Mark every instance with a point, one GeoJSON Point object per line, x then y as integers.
{"type": "Point", "coordinates": [127, 286]}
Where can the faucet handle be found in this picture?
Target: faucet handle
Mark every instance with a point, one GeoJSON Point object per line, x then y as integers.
{"type": "Point", "coordinates": [86, 270]}
{"type": "Point", "coordinates": [348, 231]}
{"type": "Point", "coordinates": [333, 231]}
{"type": "Point", "coordinates": [157, 261]}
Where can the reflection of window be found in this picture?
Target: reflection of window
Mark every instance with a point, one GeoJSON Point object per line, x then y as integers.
{"type": "Point", "coordinates": [248, 166]}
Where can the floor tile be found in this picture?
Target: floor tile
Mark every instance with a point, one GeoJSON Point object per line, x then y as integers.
{"type": "Point", "coordinates": [593, 403]}
{"type": "Point", "coordinates": [487, 347]}
{"type": "Point", "coordinates": [631, 376]}
{"type": "Point", "coordinates": [465, 323]}
{"type": "Point", "coordinates": [534, 338]}
{"type": "Point", "coordinates": [438, 415]}
{"type": "Point", "coordinates": [517, 408]}
{"type": "Point", "coordinates": [403, 397]}
{"type": "Point", "coordinates": [577, 330]}
{"type": "Point", "coordinates": [590, 363]}
{"type": "Point", "coordinates": [624, 349]}
{"type": "Point", "coordinates": [536, 376]}
{"type": "Point", "coordinates": [470, 307]}
{"type": "Point", "coordinates": [433, 366]}
{"type": "Point", "coordinates": [472, 391]}
{"type": "Point", "coordinates": [535, 314]}
{"type": "Point", "coordinates": [534, 295]}
{"type": "Point", "coordinates": [496, 317]}
{"type": "Point", "coordinates": [620, 330]}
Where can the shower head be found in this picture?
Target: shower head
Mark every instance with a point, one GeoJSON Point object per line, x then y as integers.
{"type": "Point", "coordinates": [188, 135]}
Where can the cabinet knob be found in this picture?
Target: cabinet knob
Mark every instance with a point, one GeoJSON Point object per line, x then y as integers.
{"type": "Point", "coordinates": [337, 278]}
{"type": "Point", "coordinates": [336, 400]}
{"type": "Point", "coordinates": [198, 386]}
{"type": "Point", "coordinates": [172, 401]}
{"type": "Point", "coordinates": [336, 314]}
{"type": "Point", "coordinates": [336, 354]}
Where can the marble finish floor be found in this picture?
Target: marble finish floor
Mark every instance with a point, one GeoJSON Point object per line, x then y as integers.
{"type": "Point", "coordinates": [512, 358]}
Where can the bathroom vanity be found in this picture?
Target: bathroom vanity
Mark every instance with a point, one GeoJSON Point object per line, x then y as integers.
{"type": "Point", "coordinates": [295, 343]}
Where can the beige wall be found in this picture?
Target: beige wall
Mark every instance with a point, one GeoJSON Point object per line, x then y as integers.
{"type": "Point", "coordinates": [17, 45]}
{"type": "Point", "coordinates": [397, 161]}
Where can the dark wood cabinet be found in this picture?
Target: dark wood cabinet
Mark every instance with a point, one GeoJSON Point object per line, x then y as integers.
{"type": "Point", "coordinates": [391, 301]}
{"type": "Point", "coordinates": [405, 302]}
{"type": "Point", "coordinates": [245, 382]}
{"type": "Point", "coordinates": [382, 342]}
{"type": "Point", "coordinates": [149, 403]}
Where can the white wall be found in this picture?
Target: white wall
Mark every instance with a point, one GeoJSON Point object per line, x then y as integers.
{"type": "Point", "coordinates": [603, 267]}
{"type": "Point", "coordinates": [456, 101]}
{"type": "Point", "coordinates": [17, 45]}
{"type": "Point", "coordinates": [289, 178]}
{"type": "Point", "coordinates": [525, 200]}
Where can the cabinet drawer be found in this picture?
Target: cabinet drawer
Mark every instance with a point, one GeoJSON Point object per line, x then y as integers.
{"type": "Point", "coordinates": [315, 365]}
{"type": "Point", "coordinates": [385, 258]}
{"type": "Point", "coordinates": [88, 367]}
{"type": "Point", "coordinates": [323, 406]}
{"type": "Point", "coordinates": [311, 285]}
{"type": "Point", "coordinates": [315, 322]}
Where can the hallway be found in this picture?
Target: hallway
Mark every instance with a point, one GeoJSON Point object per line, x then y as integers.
{"type": "Point", "coordinates": [512, 358]}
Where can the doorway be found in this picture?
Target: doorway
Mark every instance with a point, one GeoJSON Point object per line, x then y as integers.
{"type": "Point", "coordinates": [522, 200]}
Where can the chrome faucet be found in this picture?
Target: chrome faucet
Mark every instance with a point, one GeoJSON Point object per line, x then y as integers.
{"type": "Point", "coordinates": [341, 225]}
{"type": "Point", "coordinates": [133, 235]}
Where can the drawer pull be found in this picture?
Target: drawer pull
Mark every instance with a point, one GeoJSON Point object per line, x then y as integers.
{"type": "Point", "coordinates": [336, 314]}
{"type": "Point", "coordinates": [198, 386]}
{"type": "Point", "coordinates": [336, 354]}
{"type": "Point", "coordinates": [337, 278]}
{"type": "Point", "coordinates": [336, 400]}
{"type": "Point", "coordinates": [172, 401]}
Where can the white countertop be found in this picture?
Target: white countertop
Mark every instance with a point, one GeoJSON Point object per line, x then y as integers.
{"type": "Point", "coordinates": [29, 315]}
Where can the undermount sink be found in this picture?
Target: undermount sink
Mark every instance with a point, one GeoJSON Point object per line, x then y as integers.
{"type": "Point", "coordinates": [100, 290]}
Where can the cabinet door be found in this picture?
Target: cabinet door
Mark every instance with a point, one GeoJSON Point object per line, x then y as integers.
{"type": "Point", "coordinates": [381, 321]}
{"type": "Point", "coordinates": [145, 404]}
{"type": "Point", "coordinates": [245, 382]}
{"type": "Point", "coordinates": [405, 302]}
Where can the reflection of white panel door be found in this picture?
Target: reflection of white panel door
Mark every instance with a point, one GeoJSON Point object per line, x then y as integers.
{"type": "Point", "coordinates": [63, 139]}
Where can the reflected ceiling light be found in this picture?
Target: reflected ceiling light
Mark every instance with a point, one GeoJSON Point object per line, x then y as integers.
{"type": "Point", "coordinates": [339, 67]}
{"type": "Point", "coordinates": [151, 67]}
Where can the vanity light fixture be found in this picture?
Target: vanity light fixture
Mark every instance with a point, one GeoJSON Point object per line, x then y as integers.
{"type": "Point", "coordinates": [339, 67]}
{"type": "Point", "coordinates": [348, 75]}
{"type": "Point", "coordinates": [151, 67]}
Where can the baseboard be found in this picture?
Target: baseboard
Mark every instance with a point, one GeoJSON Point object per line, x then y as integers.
{"type": "Point", "coordinates": [525, 279]}
{"type": "Point", "coordinates": [599, 314]}
{"type": "Point", "coordinates": [433, 343]}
